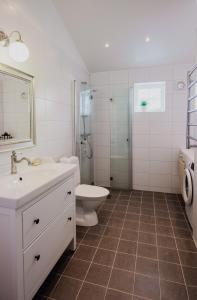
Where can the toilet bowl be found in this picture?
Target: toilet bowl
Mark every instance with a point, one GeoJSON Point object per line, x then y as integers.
{"type": "Point", "coordinates": [88, 197]}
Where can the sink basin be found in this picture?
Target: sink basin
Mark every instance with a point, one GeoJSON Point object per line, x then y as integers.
{"type": "Point", "coordinates": [16, 190]}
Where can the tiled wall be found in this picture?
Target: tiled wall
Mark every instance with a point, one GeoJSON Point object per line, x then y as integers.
{"type": "Point", "coordinates": [156, 137]}
{"type": "Point", "coordinates": [55, 63]}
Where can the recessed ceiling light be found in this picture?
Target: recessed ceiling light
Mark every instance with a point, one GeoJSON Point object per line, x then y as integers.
{"type": "Point", "coordinates": [107, 45]}
{"type": "Point", "coordinates": [147, 39]}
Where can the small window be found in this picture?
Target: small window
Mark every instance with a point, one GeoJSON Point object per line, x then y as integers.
{"type": "Point", "coordinates": [149, 97]}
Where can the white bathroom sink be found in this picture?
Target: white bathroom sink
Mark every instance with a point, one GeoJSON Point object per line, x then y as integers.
{"type": "Point", "coordinates": [16, 190]}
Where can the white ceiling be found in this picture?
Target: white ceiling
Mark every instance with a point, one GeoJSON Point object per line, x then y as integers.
{"type": "Point", "coordinates": [124, 24]}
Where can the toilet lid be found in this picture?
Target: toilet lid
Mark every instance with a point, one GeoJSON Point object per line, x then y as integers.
{"type": "Point", "coordinates": [90, 191]}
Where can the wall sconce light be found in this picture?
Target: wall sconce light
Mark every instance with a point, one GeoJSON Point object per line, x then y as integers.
{"type": "Point", "coordinates": [16, 47]}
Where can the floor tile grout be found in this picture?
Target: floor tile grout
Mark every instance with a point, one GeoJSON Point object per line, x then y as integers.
{"type": "Point", "coordinates": [91, 262]}
{"type": "Point", "coordinates": [137, 248]}
{"type": "Point", "coordinates": [145, 215]}
{"type": "Point", "coordinates": [145, 275]}
{"type": "Point", "coordinates": [179, 256]}
{"type": "Point", "coordinates": [115, 251]}
{"type": "Point", "coordinates": [157, 257]}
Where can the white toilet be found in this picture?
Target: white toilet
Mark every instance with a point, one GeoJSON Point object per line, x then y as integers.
{"type": "Point", "coordinates": [88, 197]}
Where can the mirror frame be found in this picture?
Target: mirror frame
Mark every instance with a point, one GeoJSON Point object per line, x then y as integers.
{"type": "Point", "coordinates": [23, 143]}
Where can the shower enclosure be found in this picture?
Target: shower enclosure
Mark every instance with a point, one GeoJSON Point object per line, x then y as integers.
{"type": "Point", "coordinates": [104, 136]}
{"type": "Point", "coordinates": [120, 140]}
{"type": "Point", "coordinates": [85, 136]}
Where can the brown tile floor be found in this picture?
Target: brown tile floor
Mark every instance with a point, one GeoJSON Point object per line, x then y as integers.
{"type": "Point", "coordinates": [141, 249]}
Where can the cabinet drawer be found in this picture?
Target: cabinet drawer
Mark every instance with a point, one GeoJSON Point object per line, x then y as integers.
{"type": "Point", "coordinates": [42, 255]}
{"type": "Point", "coordinates": [45, 210]}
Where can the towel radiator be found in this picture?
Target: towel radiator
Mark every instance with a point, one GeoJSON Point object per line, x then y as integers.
{"type": "Point", "coordinates": [192, 96]}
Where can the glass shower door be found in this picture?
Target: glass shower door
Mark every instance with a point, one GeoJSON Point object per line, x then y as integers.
{"type": "Point", "coordinates": [119, 157]}
{"type": "Point", "coordinates": [85, 137]}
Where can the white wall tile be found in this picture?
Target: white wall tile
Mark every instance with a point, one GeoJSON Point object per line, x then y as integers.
{"type": "Point", "coordinates": [138, 75]}
{"type": "Point", "coordinates": [102, 151]}
{"type": "Point", "coordinates": [160, 117]}
{"type": "Point", "coordinates": [141, 179]}
{"type": "Point", "coordinates": [160, 141]}
{"type": "Point", "coordinates": [161, 128]}
{"type": "Point", "coordinates": [119, 90]}
{"type": "Point", "coordinates": [101, 163]}
{"type": "Point", "coordinates": [101, 128]}
{"type": "Point", "coordinates": [160, 73]}
{"type": "Point", "coordinates": [160, 180]}
{"type": "Point", "coordinates": [140, 128]}
{"type": "Point", "coordinates": [180, 71]}
{"type": "Point", "coordinates": [175, 168]}
{"type": "Point", "coordinates": [99, 78]}
{"type": "Point", "coordinates": [101, 140]}
{"type": "Point", "coordinates": [101, 92]}
{"type": "Point", "coordinates": [116, 77]}
{"type": "Point", "coordinates": [140, 166]}
{"type": "Point", "coordinates": [160, 154]}
{"type": "Point", "coordinates": [102, 178]}
{"type": "Point", "coordinates": [158, 167]}
{"type": "Point", "coordinates": [140, 141]}
{"type": "Point", "coordinates": [141, 153]}
{"type": "Point", "coordinates": [175, 184]}
{"type": "Point", "coordinates": [179, 141]}
{"type": "Point", "coordinates": [156, 137]}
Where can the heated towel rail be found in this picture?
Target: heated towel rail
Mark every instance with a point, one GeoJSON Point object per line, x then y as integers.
{"type": "Point", "coordinates": [191, 107]}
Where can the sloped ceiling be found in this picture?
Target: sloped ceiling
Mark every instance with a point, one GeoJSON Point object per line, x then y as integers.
{"type": "Point", "coordinates": [124, 24]}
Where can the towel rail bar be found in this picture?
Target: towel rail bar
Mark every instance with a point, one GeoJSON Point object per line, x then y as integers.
{"type": "Point", "coordinates": [191, 81]}
{"type": "Point", "coordinates": [192, 97]}
{"type": "Point", "coordinates": [192, 84]}
{"type": "Point", "coordinates": [192, 71]}
{"type": "Point", "coordinates": [192, 138]}
{"type": "Point", "coordinates": [192, 111]}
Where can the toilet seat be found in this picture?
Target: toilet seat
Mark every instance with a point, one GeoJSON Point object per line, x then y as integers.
{"type": "Point", "coordinates": [90, 191]}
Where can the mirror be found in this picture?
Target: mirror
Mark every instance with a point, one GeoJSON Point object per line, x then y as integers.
{"type": "Point", "coordinates": [16, 109]}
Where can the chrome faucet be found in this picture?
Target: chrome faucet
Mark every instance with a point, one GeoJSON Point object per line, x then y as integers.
{"type": "Point", "coordinates": [15, 161]}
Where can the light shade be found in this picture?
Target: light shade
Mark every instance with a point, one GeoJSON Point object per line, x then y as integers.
{"type": "Point", "coordinates": [18, 51]}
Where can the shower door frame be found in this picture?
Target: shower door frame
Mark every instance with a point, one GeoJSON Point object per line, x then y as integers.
{"type": "Point", "coordinates": [74, 113]}
{"type": "Point", "coordinates": [130, 152]}
{"type": "Point", "coordinates": [130, 135]}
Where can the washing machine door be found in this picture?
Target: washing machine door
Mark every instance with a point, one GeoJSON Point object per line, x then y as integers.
{"type": "Point", "coordinates": [187, 187]}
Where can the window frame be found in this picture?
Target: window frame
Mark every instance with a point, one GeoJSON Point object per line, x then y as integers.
{"type": "Point", "coordinates": [150, 85]}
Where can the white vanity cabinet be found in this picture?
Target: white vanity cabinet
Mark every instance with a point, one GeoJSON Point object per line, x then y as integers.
{"type": "Point", "coordinates": [33, 237]}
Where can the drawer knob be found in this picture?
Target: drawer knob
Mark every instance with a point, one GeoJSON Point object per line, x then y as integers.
{"type": "Point", "coordinates": [69, 218]}
{"type": "Point", "coordinates": [36, 221]}
{"type": "Point", "coordinates": [69, 193]}
{"type": "Point", "coordinates": [37, 257]}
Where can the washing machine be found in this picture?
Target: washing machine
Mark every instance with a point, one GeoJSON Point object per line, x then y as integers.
{"type": "Point", "coordinates": [186, 174]}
